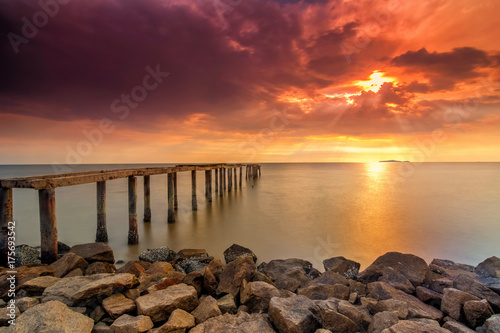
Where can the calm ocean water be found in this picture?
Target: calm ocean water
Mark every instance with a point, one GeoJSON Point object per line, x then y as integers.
{"type": "Point", "coordinates": [308, 211]}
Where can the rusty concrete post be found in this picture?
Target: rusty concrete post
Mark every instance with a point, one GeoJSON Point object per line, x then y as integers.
{"type": "Point", "coordinates": [102, 231]}
{"type": "Point", "coordinates": [176, 203]}
{"type": "Point", "coordinates": [6, 216]}
{"type": "Point", "coordinates": [48, 225]}
{"type": "Point", "coordinates": [133, 234]}
{"type": "Point", "coordinates": [170, 185]}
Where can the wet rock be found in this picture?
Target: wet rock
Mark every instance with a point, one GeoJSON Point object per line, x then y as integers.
{"type": "Point", "coordinates": [51, 317]}
{"type": "Point", "coordinates": [409, 265]}
{"type": "Point", "coordinates": [207, 309]}
{"type": "Point", "coordinates": [117, 304]}
{"type": "Point", "coordinates": [179, 321]}
{"type": "Point", "coordinates": [383, 320]}
{"type": "Point", "coordinates": [257, 295]}
{"type": "Point", "coordinates": [26, 302]}
{"type": "Point", "coordinates": [100, 267]}
{"type": "Point", "coordinates": [409, 326]}
{"type": "Point", "coordinates": [25, 255]}
{"type": "Point", "coordinates": [38, 285]}
{"type": "Point", "coordinates": [294, 314]}
{"type": "Point", "coordinates": [456, 327]}
{"type": "Point", "coordinates": [390, 305]}
{"type": "Point", "coordinates": [345, 267]}
{"type": "Point", "coordinates": [132, 267]}
{"type": "Point", "coordinates": [159, 304]}
{"type": "Point", "coordinates": [324, 291]}
{"type": "Point", "coordinates": [67, 263]}
{"type": "Point", "coordinates": [233, 275]}
{"type": "Point", "coordinates": [289, 274]}
{"type": "Point", "coordinates": [453, 301]}
{"type": "Point", "coordinates": [476, 312]}
{"type": "Point", "coordinates": [416, 308]}
{"type": "Point", "coordinates": [240, 323]}
{"type": "Point", "coordinates": [93, 252]}
{"type": "Point", "coordinates": [448, 264]}
{"type": "Point", "coordinates": [360, 315]}
{"type": "Point", "coordinates": [398, 281]}
{"type": "Point", "coordinates": [489, 268]}
{"type": "Point", "coordinates": [236, 251]}
{"type": "Point", "coordinates": [129, 324]}
{"type": "Point", "coordinates": [158, 254]}
{"type": "Point", "coordinates": [469, 284]}
{"type": "Point", "coordinates": [227, 304]}
{"type": "Point", "coordinates": [429, 296]}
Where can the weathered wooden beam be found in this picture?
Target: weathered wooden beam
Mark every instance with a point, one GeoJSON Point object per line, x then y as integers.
{"type": "Point", "coordinates": [102, 231]}
{"type": "Point", "coordinates": [176, 203]}
{"type": "Point", "coordinates": [194, 201]}
{"type": "Point", "coordinates": [229, 179]}
{"type": "Point", "coordinates": [147, 198]}
{"type": "Point", "coordinates": [170, 185]}
{"type": "Point", "coordinates": [133, 234]}
{"type": "Point", "coordinates": [6, 216]}
{"type": "Point", "coordinates": [48, 225]}
{"type": "Point", "coordinates": [208, 185]}
{"type": "Point", "coordinates": [241, 175]}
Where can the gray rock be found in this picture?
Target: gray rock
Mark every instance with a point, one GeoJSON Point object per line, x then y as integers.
{"type": "Point", "coordinates": [345, 267]}
{"type": "Point", "coordinates": [492, 324]}
{"type": "Point", "coordinates": [448, 264]}
{"type": "Point", "coordinates": [25, 255]}
{"type": "Point", "coordinates": [294, 314]}
{"type": "Point", "coordinates": [236, 251]}
{"type": "Point", "coordinates": [489, 268]}
{"type": "Point", "coordinates": [158, 254]}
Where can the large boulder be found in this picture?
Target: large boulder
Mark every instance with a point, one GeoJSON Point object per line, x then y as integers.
{"type": "Point", "coordinates": [233, 275]}
{"type": "Point", "coordinates": [398, 281]}
{"type": "Point", "coordinates": [23, 275]}
{"type": "Point", "coordinates": [179, 321]}
{"type": "Point", "coordinates": [345, 267]}
{"type": "Point", "coordinates": [468, 284]}
{"type": "Point", "coordinates": [207, 309]}
{"type": "Point", "coordinates": [294, 314]}
{"type": "Point", "coordinates": [93, 252]}
{"type": "Point", "coordinates": [358, 314]}
{"type": "Point", "coordinates": [476, 312]}
{"type": "Point", "coordinates": [211, 276]}
{"type": "Point", "coordinates": [332, 320]}
{"type": "Point", "coordinates": [409, 265]}
{"type": "Point", "coordinates": [132, 267]}
{"type": "Point", "coordinates": [329, 277]}
{"type": "Point", "coordinates": [450, 265]}
{"type": "Point", "coordinates": [158, 254]}
{"type": "Point", "coordinates": [51, 317]}
{"type": "Point", "coordinates": [117, 305]}
{"type": "Point", "coordinates": [25, 255]}
{"type": "Point", "coordinates": [240, 323]}
{"type": "Point", "coordinates": [257, 295]}
{"type": "Point", "coordinates": [453, 302]}
{"type": "Point", "coordinates": [489, 268]}
{"type": "Point", "coordinates": [37, 286]}
{"type": "Point", "coordinates": [130, 324]}
{"type": "Point", "coordinates": [409, 326]}
{"type": "Point", "coordinates": [159, 304]}
{"type": "Point", "coordinates": [324, 291]}
{"type": "Point", "coordinates": [236, 251]}
{"type": "Point", "coordinates": [67, 263]}
{"type": "Point", "coordinates": [288, 274]}
{"type": "Point", "coordinates": [383, 320]}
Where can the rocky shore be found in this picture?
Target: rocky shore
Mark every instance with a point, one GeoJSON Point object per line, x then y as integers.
{"type": "Point", "coordinates": [190, 291]}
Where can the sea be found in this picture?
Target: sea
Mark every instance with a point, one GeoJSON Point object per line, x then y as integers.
{"type": "Point", "coordinates": [311, 211]}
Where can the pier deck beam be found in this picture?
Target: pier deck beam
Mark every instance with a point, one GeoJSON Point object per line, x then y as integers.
{"type": "Point", "coordinates": [102, 231]}
{"type": "Point", "coordinates": [133, 235]}
{"type": "Point", "coordinates": [6, 216]}
{"type": "Point", "coordinates": [147, 199]}
{"type": "Point", "coordinates": [194, 201]}
{"type": "Point", "coordinates": [48, 225]}
{"type": "Point", "coordinates": [170, 213]}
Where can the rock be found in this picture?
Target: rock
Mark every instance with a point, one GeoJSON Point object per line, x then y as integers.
{"type": "Point", "coordinates": [37, 285]}
{"type": "Point", "coordinates": [51, 317]}
{"type": "Point", "coordinates": [97, 313]}
{"type": "Point", "coordinates": [26, 302]}
{"type": "Point", "coordinates": [242, 308]}
{"type": "Point", "coordinates": [6, 314]}
{"type": "Point", "coordinates": [93, 252]}
{"type": "Point", "coordinates": [429, 296]}
{"type": "Point", "coordinates": [412, 267]}
{"type": "Point", "coordinates": [324, 291]}
{"type": "Point", "coordinates": [25, 255]}
{"type": "Point", "coordinates": [398, 281]}
{"type": "Point", "coordinates": [409, 326]}
{"type": "Point", "coordinates": [67, 263]}
{"type": "Point", "coordinates": [132, 294]}
{"type": "Point", "coordinates": [211, 276]}
{"type": "Point", "coordinates": [329, 277]}
{"type": "Point", "coordinates": [476, 312]}
{"type": "Point", "coordinates": [159, 304]}
{"type": "Point", "coordinates": [101, 328]}
{"type": "Point", "coordinates": [75, 272]}
{"type": "Point", "coordinates": [258, 276]}
{"type": "Point", "coordinates": [390, 305]}
{"type": "Point", "coordinates": [294, 314]}
{"type": "Point", "coordinates": [208, 308]}
{"type": "Point", "coordinates": [383, 320]}
{"type": "Point", "coordinates": [453, 301]}
{"type": "Point", "coordinates": [192, 254]}
{"type": "Point", "coordinates": [129, 324]}
{"type": "Point", "coordinates": [23, 275]}
{"type": "Point", "coordinates": [233, 275]}
{"type": "Point", "coordinates": [192, 260]}
{"type": "Point", "coordinates": [345, 267]}
{"type": "Point", "coordinates": [313, 273]}
{"type": "Point", "coordinates": [194, 279]}
{"type": "Point", "coordinates": [469, 284]}
{"type": "Point", "coordinates": [62, 248]}
{"type": "Point", "coordinates": [332, 320]}
{"type": "Point", "coordinates": [236, 251]}
{"type": "Point", "coordinates": [448, 264]}
{"type": "Point", "coordinates": [158, 254]}
{"type": "Point", "coordinates": [322, 330]}
{"type": "Point", "coordinates": [179, 321]}
{"type": "Point", "coordinates": [289, 274]}
{"type": "Point", "coordinates": [358, 315]}
{"type": "Point", "coordinates": [132, 267]}
{"type": "Point", "coordinates": [227, 304]}
{"type": "Point", "coordinates": [257, 295]}
{"type": "Point", "coordinates": [489, 268]}
{"type": "Point", "coordinates": [100, 267]}
{"type": "Point", "coordinates": [117, 304]}
{"type": "Point", "coordinates": [75, 290]}
{"type": "Point", "coordinates": [456, 327]}
{"type": "Point", "coordinates": [156, 282]}
{"type": "Point", "coordinates": [439, 285]}
{"type": "Point", "coordinates": [159, 267]}
{"type": "Point", "coordinates": [357, 287]}
{"type": "Point", "coordinates": [492, 324]}
{"type": "Point", "coordinates": [416, 308]}
{"type": "Point", "coordinates": [240, 323]}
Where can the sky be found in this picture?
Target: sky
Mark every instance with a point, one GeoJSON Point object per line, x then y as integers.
{"type": "Point", "coordinates": [209, 81]}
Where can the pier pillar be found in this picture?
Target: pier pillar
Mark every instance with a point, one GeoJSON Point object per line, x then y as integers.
{"type": "Point", "coordinates": [216, 184]}
{"type": "Point", "coordinates": [224, 177]}
{"type": "Point", "coordinates": [194, 201]}
{"type": "Point", "coordinates": [229, 179]}
{"type": "Point", "coordinates": [208, 185]}
{"type": "Point", "coordinates": [6, 216]}
{"type": "Point", "coordinates": [260, 173]}
{"type": "Point", "coordinates": [235, 179]}
{"type": "Point", "coordinates": [176, 203]}
{"type": "Point", "coordinates": [147, 199]}
{"type": "Point", "coordinates": [170, 185]}
{"type": "Point", "coordinates": [220, 182]}
{"type": "Point", "coordinates": [241, 174]}
{"type": "Point", "coordinates": [102, 231]}
{"type": "Point", "coordinates": [48, 225]}
{"type": "Point", "coordinates": [133, 235]}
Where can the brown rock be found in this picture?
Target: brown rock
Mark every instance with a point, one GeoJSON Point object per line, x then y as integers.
{"type": "Point", "coordinates": [383, 320]}
{"type": "Point", "coordinates": [37, 285]}
{"type": "Point", "coordinates": [101, 328]}
{"type": "Point", "coordinates": [429, 296]}
{"type": "Point", "coordinates": [258, 276]}
{"type": "Point", "coordinates": [132, 294]}
{"type": "Point", "coordinates": [236, 251]}
{"type": "Point", "coordinates": [390, 305]}
{"type": "Point", "coordinates": [194, 279]}
{"type": "Point", "coordinates": [453, 301]}
{"type": "Point", "coordinates": [117, 304]}
{"type": "Point", "coordinates": [67, 263]}
{"type": "Point", "coordinates": [159, 267]}
{"type": "Point", "coordinates": [410, 326]}
{"type": "Point", "coordinates": [345, 267]}
{"type": "Point", "coordinates": [227, 304]}
{"type": "Point", "coordinates": [179, 321]}
{"type": "Point", "coordinates": [257, 295]}
{"type": "Point", "coordinates": [208, 308]}
{"type": "Point", "coordinates": [240, 323]}
{"type": "Point", "coordinates": [489, 268]}
{"type": "Point", "coordinates": [100, 267]}
{"type": "Point", "coordinates": [129, 324]}
{"type": "Point", "coordinates": [360, 315]}
{"type": "Point", "coordinates": [97, 313]}
{"type": "Point", "coordinates": [450, 265]}
{"type": "Point", "coordinates": [132, 267]}
{"type": "Point", "coordinates": [439, 285]}
{"type": "Point", "coordinates": [357, 287]}
{"type": "Point", "coordinates": [476, 312]}
{"type": "Point", "coordinates": [23, 275]}
{"type": "Point", "coordinates": [324, 291]}
{"type": "Point", "coordinates": [75, 272]}
{"type": "Point", "coordinates": [93, 252]}
{"type": "Point", "coordinates": [158, 305]}
{"type": "Point", "coordinates": [468, 284]}
{"type": "Point", "coordinates": [332, 320]}
{"type": "Point", "coordinates": [26, 302]}
{"type": "Point", "coordinates": [7, 314]}
{"type": "Point", "coordinates": [294, 314]}
{"type": "Point", "coordinates": [289, 274]}
{"type": "Point", "coordinates": [398, 281]}
{"type": "Point", "coordinates": [329, 277]}
{"type": "Point", "coordinates": [456, 327]}
{"type": "Point", "coordinates": [233, 275]}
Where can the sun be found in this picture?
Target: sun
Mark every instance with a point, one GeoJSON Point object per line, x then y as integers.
{"type": "Point", "coordinates": [377, 80]}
